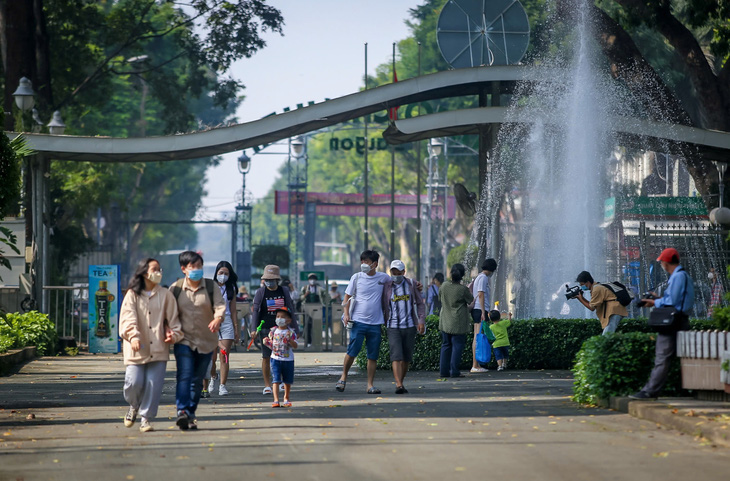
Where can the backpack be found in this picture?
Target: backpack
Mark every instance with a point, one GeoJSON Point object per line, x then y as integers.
{"type": "Point", "coordinates": [176, 289]}
{"type": "Point", "coordinates": [623, 295]}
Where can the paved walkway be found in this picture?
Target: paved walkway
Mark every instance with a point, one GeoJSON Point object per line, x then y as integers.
{"type": "Point", "coordinates": [61, 418]}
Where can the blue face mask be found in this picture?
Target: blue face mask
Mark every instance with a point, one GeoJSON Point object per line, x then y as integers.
{"type": "Point", "coordinates": [584, 288]}
{"type": "Point", "coordinates": [195, 274]}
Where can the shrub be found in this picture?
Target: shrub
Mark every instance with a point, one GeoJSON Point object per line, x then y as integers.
{"type": "Point", "coordinates": [7, 337]}
{"type": "Point", "coordinates": [32, 329]}
{"type": "Point", "coordinates": [534, 343]}
{"type": "Point", "coordinates": [617, 365]}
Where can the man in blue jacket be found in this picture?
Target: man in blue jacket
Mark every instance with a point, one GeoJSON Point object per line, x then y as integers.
{"type": "Point", "coordinates": [679, 294]}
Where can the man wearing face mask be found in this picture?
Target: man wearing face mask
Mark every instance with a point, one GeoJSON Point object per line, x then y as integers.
{"type": "Point", "coordinates": [405, 314]}
{"type": "Point", "coordinates": [679, 294]}
{"type": "Point", "coordinates": [364, 316]}
{"type": "Point", "coordinates": [311, 294]}
{"type": "Point", "coordinates": [268, 300]}
{"type": "Point", "coordinates": [482, 306]}
{"type": "Point", "coordinates": [201, 310]}
{"type": "Point", "coordinates": [608, 309]}
{"type": "Point", "coordinates": [716, 291]}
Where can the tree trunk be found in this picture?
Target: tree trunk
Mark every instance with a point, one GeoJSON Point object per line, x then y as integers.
{"type": "Point", "coordinates": [629, 65]}
{"type": "Point", "coordinates": [18, 47]}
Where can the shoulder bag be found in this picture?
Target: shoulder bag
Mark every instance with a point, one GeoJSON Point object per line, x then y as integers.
{"type": "Point", "coordinates": [667, 317]}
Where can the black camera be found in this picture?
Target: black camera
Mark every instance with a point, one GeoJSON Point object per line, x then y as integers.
{"type": "Point", "coordinates": [571, 292]}
{"type": "Point", "coordinates": [644, 296]}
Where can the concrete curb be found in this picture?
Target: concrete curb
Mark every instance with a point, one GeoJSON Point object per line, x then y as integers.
{"type": "Point", "coordinates": [662, 412]}
{"type": "Point", "coordinates": [16, 356]}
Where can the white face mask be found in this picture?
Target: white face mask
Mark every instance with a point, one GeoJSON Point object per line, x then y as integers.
{"type": "Point", "coordinates": [312, 282]}
{"type": "Point", "coordinates": [280, 321]}
{"type": "Point", "coordinates": [155, 277]}
{"type": "Point", "coordinates": [222, 278]}
{"type": "Point", "coordinates": [365, 268]}
{"type": "Point", "coordinates": [710, 275]}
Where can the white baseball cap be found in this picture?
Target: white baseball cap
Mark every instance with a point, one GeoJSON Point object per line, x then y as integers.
{"type": "Point", "coordinates": [398, 264]}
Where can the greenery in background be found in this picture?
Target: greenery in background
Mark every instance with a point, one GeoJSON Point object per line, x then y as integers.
{"type": "Point", "coordinates": [178, 83]}
{"type": "Point", "coordinates": [534, 343]}
{"type": "Point", "coordinates": [29, 329]}
{"type": "Point", "coordinates": [618, 365]}
{"type": "Point", "coordinates": [11, 155]}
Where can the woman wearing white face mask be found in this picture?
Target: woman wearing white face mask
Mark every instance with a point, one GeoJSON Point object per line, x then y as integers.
{"type": "Point", "coordinates": [148, 325]}
{"type": "Point", "coordinates": [229, 332]}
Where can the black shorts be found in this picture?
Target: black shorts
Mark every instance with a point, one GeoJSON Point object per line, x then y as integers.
{"type": "Point", "coordinates": [476, 316]}
{"type": "Point", "coordinates": [265, 351]}
{"type": "Point", "coordinates": [401, 342]}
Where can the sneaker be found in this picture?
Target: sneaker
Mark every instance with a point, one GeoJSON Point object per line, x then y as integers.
{"type": "Point", "coordinates": [642, 396]}
{"type": "Point", "coordinates": [193, 424]}
{"type": "Point", "coordinates": [479, 369]}
{"type": "Point", "coordinates": [222, 391]}
{"type": "Point", "coordinates": [145, 426]}
{"type": "Point", "coordinates": [205, 393]}
{"type": "Point", "coordinates": [211, 384]}
{"type": "Point", "coordinates": [130, 417]}
{"type": "Point", "coordinates": [183, 420]}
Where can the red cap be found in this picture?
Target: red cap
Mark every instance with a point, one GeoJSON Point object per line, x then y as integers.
{"type": "Point", "coordinates": [670, 255]}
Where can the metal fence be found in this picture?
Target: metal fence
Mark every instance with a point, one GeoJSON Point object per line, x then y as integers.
{"type": "Point", "coordinates": [68, 308]}
{"type": "Point", "coordinates": [701, 246]}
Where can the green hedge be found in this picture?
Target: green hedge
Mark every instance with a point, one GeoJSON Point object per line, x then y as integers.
{"type": "Point", "coordinates": [535, 343]}
{"type": "Point", "coordinates": [618, 365]}
{"type": "Point", "coordinates": [29, 329]}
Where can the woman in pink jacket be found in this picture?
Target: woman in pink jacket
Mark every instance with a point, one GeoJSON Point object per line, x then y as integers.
{"type": "Point", "coordinates": [148, 325]}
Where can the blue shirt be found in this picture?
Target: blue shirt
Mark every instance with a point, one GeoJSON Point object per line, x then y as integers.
{"type": "Point", "coordinates": [675, 291]}
{"type": "Point", "coordinates": [432, 296]}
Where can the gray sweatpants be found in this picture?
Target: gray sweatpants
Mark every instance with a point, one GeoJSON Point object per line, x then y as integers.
{"type": "Point", "coordinates": [666, 349]}
{"type": "Point", "coordinates": [143, 387]}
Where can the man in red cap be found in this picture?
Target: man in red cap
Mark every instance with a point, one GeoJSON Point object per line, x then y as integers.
{"type": "Point", "coordinates": [679, 294]}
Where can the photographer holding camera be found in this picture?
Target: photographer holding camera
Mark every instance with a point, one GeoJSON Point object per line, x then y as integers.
{"type": "Point", "coordinates": [679, 295]}
{"type": "Point", "coordinates": [603, 301]}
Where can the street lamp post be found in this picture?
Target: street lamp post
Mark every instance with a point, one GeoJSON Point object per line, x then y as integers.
{"type": "Point", "coordinates": [297, 187]}
{"type": "Point", "coordinates": [38, 211]}
{"type": "Point", "coordinates": [435, 147]}
{"type": "Point", "coordinates": [243, 254]}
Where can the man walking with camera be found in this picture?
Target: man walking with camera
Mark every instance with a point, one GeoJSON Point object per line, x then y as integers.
{"type": "Point", "coordinates": [679, 295]}
{"type": "Point", "coordinates": [603, 301]}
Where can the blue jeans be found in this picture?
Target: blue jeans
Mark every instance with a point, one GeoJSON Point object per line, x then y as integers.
{"type": "Point", "coordinates": [191, 367]}
{"type": "Point", "coordinates": [371, 334]}
{"type": "Point", "coordinates": [452, 347]}
{"type": "Point", "coordinates": [282, 371]}
{"type": "Point", "coordinates": [613, 321]}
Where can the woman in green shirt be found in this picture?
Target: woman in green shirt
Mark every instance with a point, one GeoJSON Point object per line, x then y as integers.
{"type": "Point", "coordinates": [454, 321]}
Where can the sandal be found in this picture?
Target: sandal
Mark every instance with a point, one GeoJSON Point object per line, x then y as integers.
{"type": "Point", "coordinates": [286, 404]}
{"type": "Point", "coordinates": [340, 386]}
{"type": "Point", "coordinates": [275, 405]}
{"type": "Point", "coordinates": [267, 390]}
{"type": "Point", "coordinates": [373, 390]}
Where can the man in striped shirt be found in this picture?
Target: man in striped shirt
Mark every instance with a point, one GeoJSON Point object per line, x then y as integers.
{"type": "Point", "coordinates": [405, 314]}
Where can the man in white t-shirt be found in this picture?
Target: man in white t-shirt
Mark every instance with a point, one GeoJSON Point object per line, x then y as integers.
{"type": "Point", "coordinates": [482, 303]}
{"type": "Point", "coordinates": [365, 316]}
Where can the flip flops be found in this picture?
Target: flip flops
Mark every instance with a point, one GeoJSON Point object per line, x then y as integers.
{"type": "Point", "coordinates": [340, 386]}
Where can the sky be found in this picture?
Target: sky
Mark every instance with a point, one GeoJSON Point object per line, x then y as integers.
{"type": "Point", "coordinates": [321, 55]}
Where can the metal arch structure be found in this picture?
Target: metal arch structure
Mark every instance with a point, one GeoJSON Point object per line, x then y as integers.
{"type": "Point", "coordinates": [710, 144]}
{"type": "Point", "coordinates": [713, 145]}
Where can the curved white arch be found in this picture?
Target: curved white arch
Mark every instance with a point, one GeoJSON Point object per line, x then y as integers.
{"type": "Point", "coordinates": [712, 144]}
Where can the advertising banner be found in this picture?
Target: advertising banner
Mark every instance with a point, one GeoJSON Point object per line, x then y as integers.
{"type": "Point", "coordinates": [104, 302]}
{"type": "Point", "coordinates": [353, 205]}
